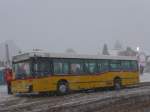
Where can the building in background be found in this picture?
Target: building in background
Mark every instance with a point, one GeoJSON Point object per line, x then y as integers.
{"type": "Point", "coordinates": [128, 52]}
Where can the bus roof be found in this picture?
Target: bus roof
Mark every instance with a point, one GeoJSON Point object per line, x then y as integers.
{"type": "Point", "coordinates": [27, 56]}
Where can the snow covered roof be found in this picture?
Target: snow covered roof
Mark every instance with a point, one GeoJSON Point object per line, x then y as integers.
{"type": "Point", "coordinates": [26, 56]}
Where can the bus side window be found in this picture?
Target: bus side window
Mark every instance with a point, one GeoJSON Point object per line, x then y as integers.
{"type": "Point", "coordinates": [61, 67]}
{"type": "Point", "coordinates": [134, 65]}
{"type": "Point", "coordinates": [125, 65]}
{"type": "Point", "coordinates": [103, 66]}
{"type": "Point", "coordinates": [42, 68]}
{"type": "Point", "coordinates": [65, 68]}
{"type": "Point", "coordinates": [35, 68]}
{"type": "Point", "coordinates": [90, 66]}
{"type": "Point", "coordinates": [45, 68]}
{"type": "Point", "coordinates": [86, 67]}
{"type": "Point", "coordinates": [76, 66]}
{"type": "Point", "coordinates": [115, 65]}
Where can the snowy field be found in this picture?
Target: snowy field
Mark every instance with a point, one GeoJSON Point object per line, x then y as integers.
{"type": "Point", "coordinates": [145, 77]}
{"type": "Point", "coordinates": [3, 90]}
{"type": "Point", "coordinates": [3, 93]}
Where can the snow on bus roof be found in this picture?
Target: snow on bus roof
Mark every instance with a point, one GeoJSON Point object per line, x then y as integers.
{"type": "Point", "coordinates": [26, 56]}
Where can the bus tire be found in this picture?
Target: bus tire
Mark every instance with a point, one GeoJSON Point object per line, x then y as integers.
{"type": "Point", "coordinates": [117, 84]}
{"type": "Point", "coordinates": [62, 88]}
{"type": "Point", "coordinates": [30, 89]}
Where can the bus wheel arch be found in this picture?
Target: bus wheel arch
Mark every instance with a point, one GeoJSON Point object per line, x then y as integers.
{"type": "Point", "coordinates": [117, 83]}
{"type": "Point", "coordinates": [62, 87]}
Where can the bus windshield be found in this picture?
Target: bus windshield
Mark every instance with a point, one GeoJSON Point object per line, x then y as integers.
{"type": "Point", "coordinates": [22, 70]}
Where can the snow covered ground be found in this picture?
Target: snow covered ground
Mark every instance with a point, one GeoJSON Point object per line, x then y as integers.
{"type": "Point", "coordinates": [3, 90]}
{"type": "Point", "coordinates": [3, 93]}
{"type": "Point", "coordinates": [145, 77]}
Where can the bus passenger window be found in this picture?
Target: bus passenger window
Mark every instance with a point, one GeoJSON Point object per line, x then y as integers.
{"type": "Point", "coordinates": [134, 65]}
{"type": "Point", "coordinates": [115, 65]}
{"type": "Point", "coordinates": [42, 68]}
{"type": "Point", "coordinates": [45, 68]}
{"type": "Point", "coordinates": [57, 68]}
{"type": "Point", "coordinates": [125, 65]}
{"type": "Point", "coordinates": [90, 67]}
{"type": "Point", "coordinates": [76, 68]}
{"type": "Point", "coordinates": [86, 67]}
{"type": "Point", "coordinates": [103, 66]}
{"type": "Point", "coordinates": [65, 68]}
{"type": "Point", "coordinates": [61, 67]}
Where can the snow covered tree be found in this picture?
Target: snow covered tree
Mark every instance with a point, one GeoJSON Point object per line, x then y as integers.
{"type": "Point", "coordinates": [105, 50]}
{"type": "Point", "coordinates": [128, 52]}
{"type": "Point", "coordinates": [118, 45]}
{"type": "Point", "coordinates": [70, 50]}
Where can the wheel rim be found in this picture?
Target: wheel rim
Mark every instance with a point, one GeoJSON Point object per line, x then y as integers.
{"type": "Point", "coordinates": [63, 88]}
{"type": "Point", "coordinates": [117, 86]}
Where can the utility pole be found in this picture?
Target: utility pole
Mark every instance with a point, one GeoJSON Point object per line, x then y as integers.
{"type": "Point", "coordinates": [7, 55]}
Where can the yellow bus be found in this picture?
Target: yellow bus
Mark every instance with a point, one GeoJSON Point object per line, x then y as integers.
{"type": "Point", "coordinates": [62, 73]}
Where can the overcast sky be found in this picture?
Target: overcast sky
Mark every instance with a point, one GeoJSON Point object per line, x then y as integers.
{"type": "Point", "coordinates": [84, 25]}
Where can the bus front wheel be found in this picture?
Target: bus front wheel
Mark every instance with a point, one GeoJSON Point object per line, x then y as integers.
{"type": "Point", "coordinates": [62, 88]}
{"type": "Point", "coordinates": [117, 84]}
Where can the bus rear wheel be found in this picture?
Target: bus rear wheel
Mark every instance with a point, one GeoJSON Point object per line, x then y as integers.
{"type": "Point", "coordinates": [62, 88]}
{"type": "Point", "coordinates": [117, 84]}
